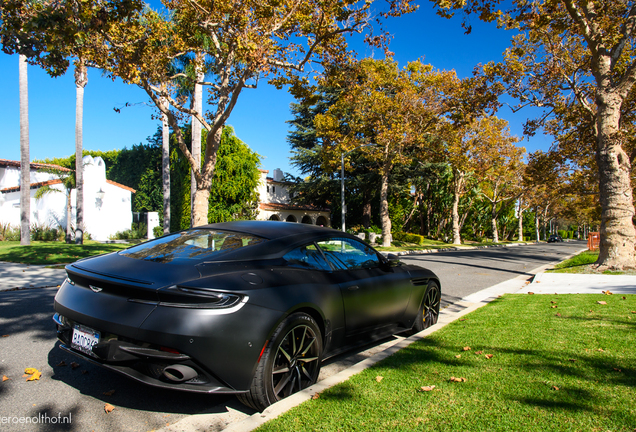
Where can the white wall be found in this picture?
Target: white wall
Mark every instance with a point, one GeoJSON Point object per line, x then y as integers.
{"type": "Point", "coordinates": [102, 218]}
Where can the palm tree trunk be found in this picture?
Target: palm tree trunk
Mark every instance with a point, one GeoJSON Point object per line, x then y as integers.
{"type": "Point", "coordinates": [165, 171]}
{"type": "Point", "coordinates": [25, 162]}
{"type": "Point", "coordinates": [69, 209]}
{"type": "Point", "coordinates": [81, 78]}
{"type": "Point", "coordinates": [196, 134]}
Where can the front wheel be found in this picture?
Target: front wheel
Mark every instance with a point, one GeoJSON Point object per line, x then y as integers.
{"type": "Point", "coordinates": [291, 362]}
{"type": "Point", "coordinates": [429, 310]}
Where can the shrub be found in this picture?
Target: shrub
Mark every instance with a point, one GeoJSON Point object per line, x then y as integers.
{"type": "Point", "coordinates": [409, 238]}
{"type": "Point", "coordinates": [40, 232]}
{"type": "Point", "coordinates": [137, 231]}
{"type": "Point", "coordinates": [157, 231]}
{"type": "Point", "coordinates": [8, 233]}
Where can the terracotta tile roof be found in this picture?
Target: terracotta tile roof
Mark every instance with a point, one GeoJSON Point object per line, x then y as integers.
{"type": "Point", "coordinates": [34, 165]}
{"type": "Point", "coordinates": [57, 181]}
{"type": "Point", "coordinates": [277, 206]}
{"type": "Point", "coordinates": [33, 185]}
{"type": "Point", "coordinates": [121, 186]}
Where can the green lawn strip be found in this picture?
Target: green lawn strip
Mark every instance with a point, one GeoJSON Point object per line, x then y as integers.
{"type": "Point", "coordinates": [53, 252]}
{"type": "Point", "coordinates": [434, 244]}
{"type": "Point", "coordinates": [582, 264]}
{"type": "Point", "coordinates": [576, 371]}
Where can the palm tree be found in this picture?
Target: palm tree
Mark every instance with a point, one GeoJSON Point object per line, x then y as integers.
{"type": "Point", "coordinates": [165, 170]}
{"type": "Point", "coordinates": [197, 104]}
{"type": "Point", "coordinates": [25, 162]}
{"type": "Point", "coordinates": [81, 78]}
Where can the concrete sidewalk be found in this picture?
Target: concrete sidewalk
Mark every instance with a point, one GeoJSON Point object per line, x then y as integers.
{"type": "Point", "coordinates": [22, 276]}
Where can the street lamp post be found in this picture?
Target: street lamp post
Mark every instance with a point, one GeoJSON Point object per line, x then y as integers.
{"type": "Point", "coordinates": [342, 182]}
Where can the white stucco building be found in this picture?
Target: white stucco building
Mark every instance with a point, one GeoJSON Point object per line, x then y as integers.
{"type": "Point", "coordinates": [275, 203]}
{"type": "Point", "coordinates": [107, 204]}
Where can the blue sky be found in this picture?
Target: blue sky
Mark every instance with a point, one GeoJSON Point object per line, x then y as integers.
{"type": "Point", "coordinates": [260, 116]}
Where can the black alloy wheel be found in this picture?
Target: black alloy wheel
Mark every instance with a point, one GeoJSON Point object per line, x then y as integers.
{"type": "Point", "coordinates": [296, 362]}
{"type": "Point", "coordinates": [291, 362]}
{"type": "Point", "coordinates": [429, 310]}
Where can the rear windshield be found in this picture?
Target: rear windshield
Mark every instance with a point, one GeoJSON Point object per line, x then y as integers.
{"type": "Point", "coordinates": [198, 244]}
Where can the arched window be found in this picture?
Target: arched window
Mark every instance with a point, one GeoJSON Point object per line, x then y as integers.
{"type": "Point", "coordinates": [274, 217]}
{"type": "Point", "coordinates": [291, 218]}
{"type": "Point", "coordinates": [306, 220]}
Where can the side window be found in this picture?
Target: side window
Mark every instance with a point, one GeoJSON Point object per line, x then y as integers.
{"type": "Point", "coordinates": [349, 254]}
{"type": "Point", "coordinates": [307, 257]}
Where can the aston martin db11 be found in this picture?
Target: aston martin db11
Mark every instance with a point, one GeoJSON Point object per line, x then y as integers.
{"type": "Point", "coordinates": [250, 308]}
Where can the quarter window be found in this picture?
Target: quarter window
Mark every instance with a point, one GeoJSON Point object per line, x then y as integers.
{"type": "Point", "coordinates": [307, 257]}
{"type": "Point", "coordinates": [348, 254]}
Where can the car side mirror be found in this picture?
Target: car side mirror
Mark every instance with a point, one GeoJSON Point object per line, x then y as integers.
{"type": "Point", "coordinates": [393, 260]}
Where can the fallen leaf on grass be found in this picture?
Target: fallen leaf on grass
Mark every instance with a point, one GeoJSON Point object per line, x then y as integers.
{"type": "Point", "coordinates": [108, 408]}
{"type": "Point", "coordinates": [427, 388]}
{"type": "Point", "coordinates": [618, 370]}
{"type": "Point", "coordinates": [5, 378]}
{"type": "Point", "coordinates": [634, 312]}
{"type": "Point", "coordinates": [488, 356]}
{"type": "Point", "coordinates": [464, 319]}
{"type": "Point", "coordinates": [608, 292]}
{"type": "Point", "coordinates": [555, 388]}
{"type": "Point", "coordinates": [378, 378]}
{"type": "Point", "coordinates": [458, 356]}
{"type": "Point", "coordinates": [601, 302]}
{"type": "Point", "coordinates": [530, 293]}
{"type": "Point", "coordinates": [553, 302]}
{"type": "Point", "coordinates": [479, 352]}
{"type": "Point", "coordinates": [624, 298]}
{"type": "Point", "coordinates": [572, 360]}
{"type": "Point", "coordinates": [553, 307]}
{"type": "Point", "coordinates": [315, 396]}
{"type": "Point", "coordinates": [601, 350]}
{"type": "Point", "coordinates": [109, 393]}
{"type": "Point", "coordinates": [557, 314]}
{"type": "Point", "coordinates": [466, 348]}
{"type": "Point", "coordinates": [75, 365]}
{"type": "Point", "coordinates": [458, 379]}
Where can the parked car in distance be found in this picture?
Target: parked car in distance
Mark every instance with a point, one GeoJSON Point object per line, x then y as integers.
{"type": "Point", "coordinates": [554, 238]}
{"type": "Point", "coordinates": [250, 308]}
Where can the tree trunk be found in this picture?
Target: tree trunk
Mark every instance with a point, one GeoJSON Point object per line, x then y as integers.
{"type": "Point", "coordinates": [68, 238]}
{"type": "Point", "coordinates": [366, 208]}
{"type": "Point", "coordinates": [493, 223]}
{"type": "Point", "coordinates": [25, 161]}
{"type": "Point", "coordinates": [200, 207]}
{"type": "Point", "coordinates": [384, 206]}
{"type": "Point", "coordinates": [616, 250]}
{"type": "Point", "coordinates": [81, 78]}
{"type": "Point", "coordinates": [197, 105]}
{"type": "Point", "coordinates": [520, 223]}
{"type": "Point", "coordinates": [165, 172]}
{"type": "Point", "coordinates": [458, 178]}
{"type": "Point", "coordinates": [536, 224]}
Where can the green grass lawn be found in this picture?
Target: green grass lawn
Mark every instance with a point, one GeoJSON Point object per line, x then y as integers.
{"type": "Point", "coordinates": [582, 264]}
{"type": "Point", "coordinates": [559, 362]}
{"type": "Point", "coordinates": [398, 246]}
{"type": "Point", "coordinates": [53, 252]}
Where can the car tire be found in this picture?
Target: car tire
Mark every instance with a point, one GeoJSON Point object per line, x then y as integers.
{"type": "Point", "coordinates": [291, 362]}
{"type": "Point", "coordinates": [429, 309]}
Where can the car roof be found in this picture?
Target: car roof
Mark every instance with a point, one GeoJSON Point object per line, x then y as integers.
{"type": "Point", "coordinates": [281, 236]}
{"type": "Point", "coordinates": [271, 229]}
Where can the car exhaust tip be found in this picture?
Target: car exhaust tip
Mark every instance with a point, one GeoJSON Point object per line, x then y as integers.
{"type": "Point", "coordinates": [179, 373]}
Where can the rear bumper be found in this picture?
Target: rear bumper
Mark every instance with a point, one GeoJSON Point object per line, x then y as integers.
{"type": "Point", "coordinates": [141, 340]}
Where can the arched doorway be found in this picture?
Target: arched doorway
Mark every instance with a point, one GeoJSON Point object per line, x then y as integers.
{"type": "Point", "coordinates": [274, 217]}
{"type": "Point", "coordinates": [322, 221]}
{"type": "Point", "coordinates": [306, 220]}
{"type": "Point", "coordinates": [291, 218]}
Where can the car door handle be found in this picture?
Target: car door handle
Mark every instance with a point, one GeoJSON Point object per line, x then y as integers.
{"type": "Point", "coordinates": [353, 287]}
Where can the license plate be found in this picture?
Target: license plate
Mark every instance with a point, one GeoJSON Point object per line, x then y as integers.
{"type": "Point", "coordinates": [84, 338]}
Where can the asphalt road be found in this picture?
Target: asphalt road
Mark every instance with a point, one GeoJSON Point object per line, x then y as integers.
{"type": "Point", "coordinates": [81, 390]}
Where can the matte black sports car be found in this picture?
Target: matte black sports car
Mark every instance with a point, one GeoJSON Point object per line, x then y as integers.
{"type": "Point", "coordinates": [250, 308]}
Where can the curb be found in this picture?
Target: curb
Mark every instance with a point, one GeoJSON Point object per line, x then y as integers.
{"type": "Point", "coordinates": [455, 248]}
